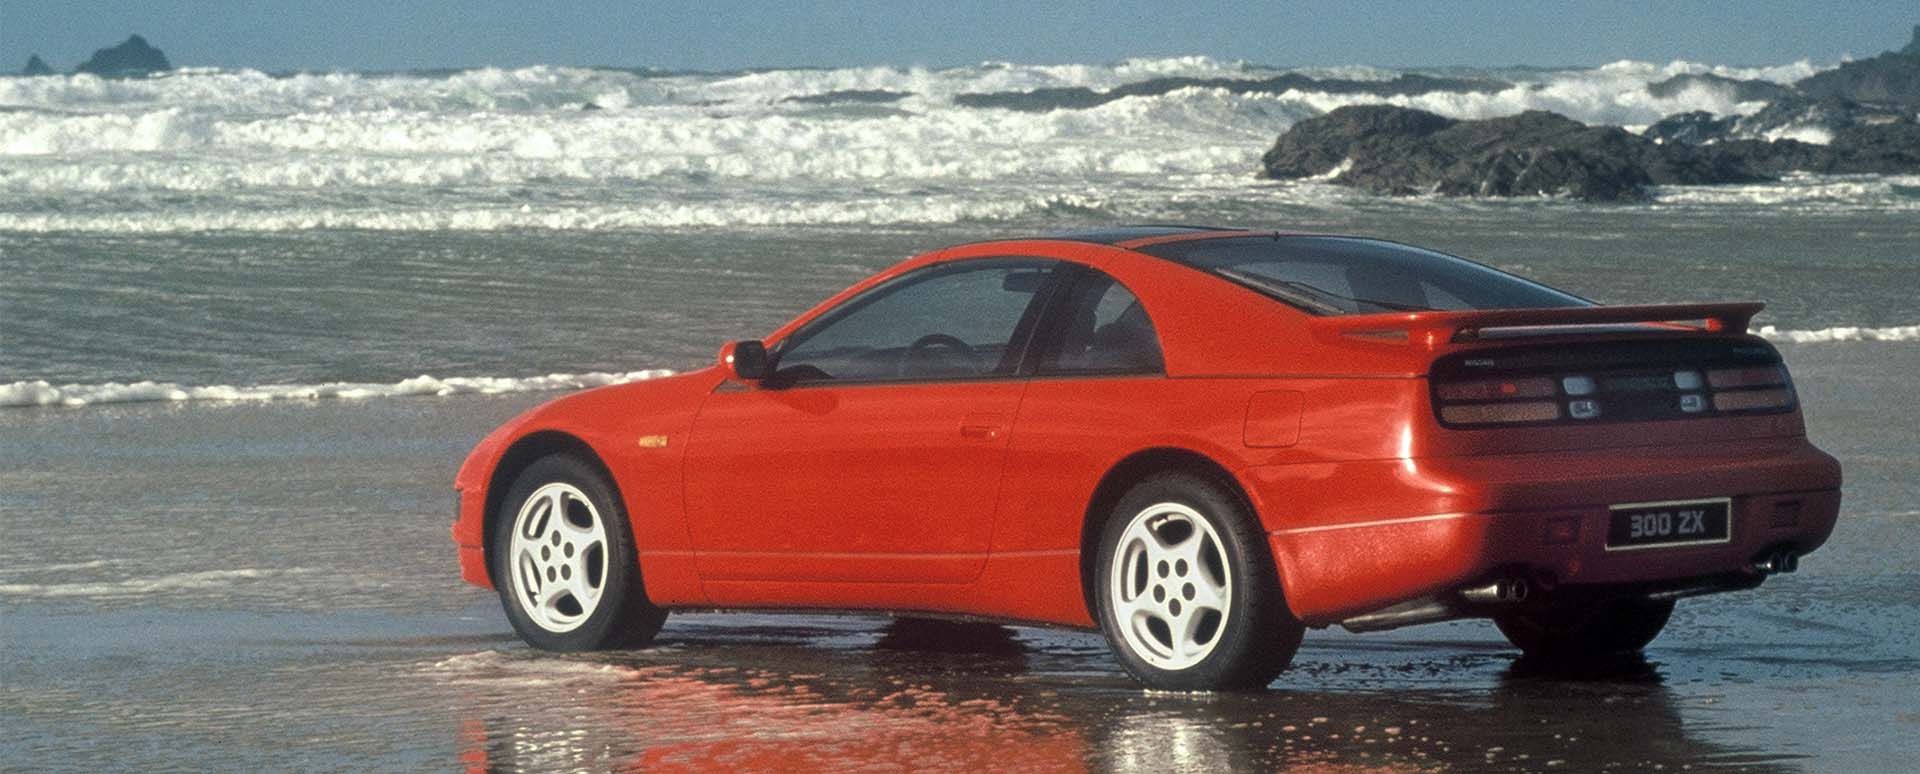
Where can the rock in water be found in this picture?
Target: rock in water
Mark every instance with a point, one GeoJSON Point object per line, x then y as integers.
{"type": "Point", "coordinates": [1826, 113]}
{"type": "Point", "coordinates": [35, 66]}
{"type": "Point", "coordinates": [132, 57]}
{"type": "Point", "coordinates": [1890, 77]}
{"type": "Point", "coordinates": [1400, 151]}
{"type": "Point", "coordinates": [1698, 127]}
{"type": "Point", "coordinates": [1394, 150]}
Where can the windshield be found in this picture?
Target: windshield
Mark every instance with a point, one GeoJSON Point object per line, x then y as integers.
{"type": "Point", "coordinates": [1348, 275]}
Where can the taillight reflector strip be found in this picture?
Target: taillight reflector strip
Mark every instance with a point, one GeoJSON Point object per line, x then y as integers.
{"type": "Point", "coordinates": [1492, 413]}
{"type": "Point", "coordinates": [1746, 400]}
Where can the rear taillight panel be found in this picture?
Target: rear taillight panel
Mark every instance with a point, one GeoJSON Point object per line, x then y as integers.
{"type": "Point", "coordinates": [1605, 382]}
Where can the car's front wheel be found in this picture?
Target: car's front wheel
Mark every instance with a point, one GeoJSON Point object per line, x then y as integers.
{"type": "Point", "coordinates": [1186, 590]}
{"type": "Point", "coordinates": [564, 562]}
{"type": "Point", "coordinates": [1578, 631]}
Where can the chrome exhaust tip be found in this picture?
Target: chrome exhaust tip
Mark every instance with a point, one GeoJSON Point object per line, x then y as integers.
{"type": "Point", "coordinates": [1505, 591]}
{"type": "Point", "coordinates": [1778, 562]}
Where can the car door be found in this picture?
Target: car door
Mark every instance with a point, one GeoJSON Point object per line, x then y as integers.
{"type": "Point", "coordinates": [1099, 387]}
{"type": "Point", "coordinates": [873, 452]}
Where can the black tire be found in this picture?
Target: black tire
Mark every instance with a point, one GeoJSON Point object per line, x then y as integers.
{"type": "Point", "coordinates": [1252, 636]}
{"type": "Point", "coordinates": [1584, 631]}
{"type": "Point", "coordinates": [620, 615]}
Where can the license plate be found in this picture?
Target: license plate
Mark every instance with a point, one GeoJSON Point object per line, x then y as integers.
{"type": "Point", "coordinates": [1659, 525]}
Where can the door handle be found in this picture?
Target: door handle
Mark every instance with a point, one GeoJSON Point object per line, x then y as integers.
{"type": "Point", "coordinates": [986, 427]}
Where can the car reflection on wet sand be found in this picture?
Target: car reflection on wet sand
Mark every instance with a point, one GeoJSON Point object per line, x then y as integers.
{"type": "Point", "coordinates": [807, 694]}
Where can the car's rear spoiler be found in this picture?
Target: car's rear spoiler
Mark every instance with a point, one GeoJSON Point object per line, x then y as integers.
{"type": "Point", "coordinates": [1433, 329]}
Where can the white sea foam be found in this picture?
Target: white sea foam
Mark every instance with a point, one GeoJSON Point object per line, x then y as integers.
{"type": "Point", "coordinates": [876, 210]}
{"type": "Point", "coordinates": [1812, 135]}
{"type": "Point", "coordinates": [41, 393]}
{"type": "Point", "coordinates": [34, 569]}
{"type": "Point", "coordinates": [517, 148]}
{"type": "Point", "coordinates": [1841, 333]}
{"type": "Point", "coordinates": [135, 587]}
{"type": "Point", "coordinates": [1802, 192]}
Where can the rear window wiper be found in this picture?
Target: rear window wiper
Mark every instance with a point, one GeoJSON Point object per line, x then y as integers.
{"type": "Point", "coordinates": [1282, 290]}
{"type": "Point", "coordinates": [1281, 287]}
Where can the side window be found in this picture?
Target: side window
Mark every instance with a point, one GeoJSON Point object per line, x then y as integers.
{"type": "Point", "coordinates": [1102, 330]}
{"type": "Point", "coordinates": [952, 321]}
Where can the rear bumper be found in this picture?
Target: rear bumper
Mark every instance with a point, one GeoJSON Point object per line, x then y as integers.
{"type": "Point", "coordinates": [1512, 515]}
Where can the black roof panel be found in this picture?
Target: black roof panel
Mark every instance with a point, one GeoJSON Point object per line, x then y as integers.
{"type": "Point", "coordinates": [1118, 234]}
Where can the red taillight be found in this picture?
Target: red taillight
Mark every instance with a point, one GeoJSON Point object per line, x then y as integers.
{"type": "Point", "coordinates": [1498, 389]}
{"type": "Point", "coordinates": [1620, 394]}
{"type": "Point", "coordinates": [1726, 378]}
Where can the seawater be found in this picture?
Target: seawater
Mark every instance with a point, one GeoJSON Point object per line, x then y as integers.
{"type": "Point", "coordinates": [250, 323]}
{"type": "Point", "coordinates": [219, 235]}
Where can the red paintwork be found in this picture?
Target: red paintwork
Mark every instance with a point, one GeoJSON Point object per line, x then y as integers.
{"type": "Point", "coordinates": [971, 497]}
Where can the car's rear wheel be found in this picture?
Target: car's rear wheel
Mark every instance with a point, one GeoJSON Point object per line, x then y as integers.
{"type": "Point", "coordinates": [564, 561]}
{"type": "Point", "coordinates": [1575, 631]}
{"type": "Point", "coordinates": [1186, 591]}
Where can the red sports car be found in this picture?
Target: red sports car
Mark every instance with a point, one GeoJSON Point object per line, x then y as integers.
{"type": "Point", "coordinates": [1201, 441]}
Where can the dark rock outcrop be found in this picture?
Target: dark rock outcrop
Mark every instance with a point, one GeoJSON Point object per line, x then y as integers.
{"type": "Point", "coordinates": [1075, 98]}
{"type": "Point", "coordinates": [1875, 148]}
{"type": "Point", "coordinates": [133, 57]}
{"type": "Point", "coordinates": [1831, 113]}
{"type": "Point", "coordinates": [1398, 151]}
{"type": "Point", "coordinates": [1698, 127]}
{"type": "Point", "coordinates": [36, 66]}
{"type": "Point", "coordinates": [1890, 77]}
{"type": "Point", "coordinates": [1393, 150]}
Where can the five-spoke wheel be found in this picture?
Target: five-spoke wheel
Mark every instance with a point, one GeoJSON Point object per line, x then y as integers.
{"type": "Point", "coordinates": [1187, 595]}
{"type": "Point", "coordinates": [559, 555]}
{"type": "Point", "coordinates": [564, 562]}
{"type": "Point", "coordinates": [1170, 588]}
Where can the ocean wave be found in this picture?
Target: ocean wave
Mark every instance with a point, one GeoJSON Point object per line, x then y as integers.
{"type": "Point", "coordinates": [538, 112]}
{"type": "Point", "coordinates": [879, 210]}
{"type": "Point", "coordinates": [1841, 333]}
{"type": "Point", "coordinates": [759, 135]}
{"type": "Point", "coordinates": [135, 587]}
{"type": "Point", "coordinates": [238, 150]}
{"type": "Point", "coordinates": [60, 567]}
{"type": "Point", "coordinates": [41, 393]}
{"type": "Point", "coordinates": [1185, 133]}
{"type": "Point", "coordinates": [548, 87]}
{"type": "Point", "coordinates": [1801, 192]}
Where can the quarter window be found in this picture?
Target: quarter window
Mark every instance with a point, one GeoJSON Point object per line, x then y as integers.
{"type": "Point", "coordinates": [1102, 330]}
{"type": "Point", "coordinates": [953, 321]}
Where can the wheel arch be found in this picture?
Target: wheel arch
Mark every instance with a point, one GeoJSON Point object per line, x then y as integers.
{"type": "Point", "coordinates": [522, 453]}
{"type": "Point", "coordinates": [1135, 467]}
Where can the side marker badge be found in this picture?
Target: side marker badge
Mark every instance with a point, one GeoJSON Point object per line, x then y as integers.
{"type": "Point", "coordinates": [653, 442]}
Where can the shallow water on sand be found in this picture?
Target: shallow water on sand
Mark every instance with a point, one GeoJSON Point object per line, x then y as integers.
{"type": "Point", "coordinates": [270, 586]}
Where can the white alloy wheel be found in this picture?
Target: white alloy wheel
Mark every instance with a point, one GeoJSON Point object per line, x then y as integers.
{"type": "Point", "coordinates": [559, 557]}
{"type": "Point", "coordinates": [1170, 586]}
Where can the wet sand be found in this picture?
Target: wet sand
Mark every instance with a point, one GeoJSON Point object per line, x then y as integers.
{"type": "Point", "coordinates": [248, 587]}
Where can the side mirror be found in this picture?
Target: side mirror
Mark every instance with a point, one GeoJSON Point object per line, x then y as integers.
{"type": "Point", "coordinates": [744, 361]}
